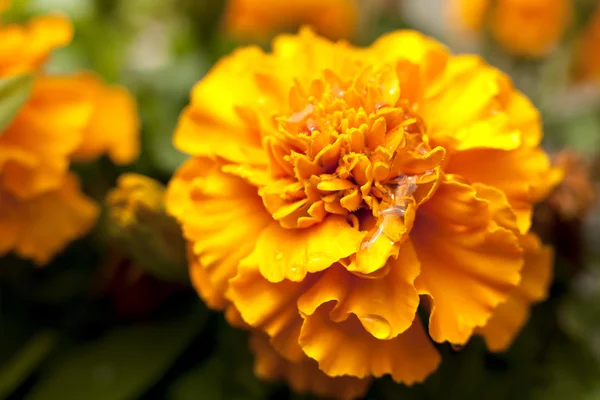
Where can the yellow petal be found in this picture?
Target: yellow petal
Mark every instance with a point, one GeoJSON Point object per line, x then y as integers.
{"type": "Point", "coordinates": [292, 253]}
{"type": "Point", "coordinates": [414, 47]}
{"type": "Point", "coordinates": [508, 319]}
{"type": "Point", "coordinates": [347, 349]}
{"type": "Point", "coordinates": [385, 307]}
{"type": "Point", "coordinates": [466, 108]}
{"type": "Point", "coordinates": [214, 123]}
{"type": "Point", "coordinates": [209, 205]}
{"type": "Point", "coordinates": [468, 264]}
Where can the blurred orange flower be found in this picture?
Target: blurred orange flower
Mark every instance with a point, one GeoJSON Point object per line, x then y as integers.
{"type": "Point", "coordinates": [41, 205]}
{"type": "Point", "coordinates": [259, 19]}
{"type": "Point", "coordinates": [587, 67]}
{"type": "Point", "coordinates": [529, 28]}
{"type": "Point", "coordinates": [340, 184]}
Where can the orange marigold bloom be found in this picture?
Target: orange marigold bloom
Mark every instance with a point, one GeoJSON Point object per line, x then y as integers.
{"type": "Point", "coordinates": [25, 48]}
{"type": "Point", "coordinates": [42, 207]}
{"type": "Point", "coordinates": [258, 19]}
{"type": "Point", "coordinates": [332, 186]}
{"type": "Point", "coordinates": [528, 28]}
{"type": "Point", "coordinates": [587, 65]}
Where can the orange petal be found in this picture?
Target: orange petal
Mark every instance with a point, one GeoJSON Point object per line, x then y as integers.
{"type": "Point", "coordinates": [409, 357]}
{"type": "Point", "coordinates": [525, 176]}
{"type": "Point", "coordinates": [209, 205]}
{"type": "Point", "coordinates": [292, 253]}
{"type": "Point", "coordinates": [40, 227]}
{"type": "Point", "coordinates": [386, 306]}
{"type": "Point", "coordinates": [113, 127]}
{"type": "Point", "coordinates": [270, 307]}
{"type": "Point", "coordinates": [25, 48]}
{"type": "Point", "coordinates": [508, 319]}
{"type": "Point", "coordinates": [35, 148]}
{"type": "Point", "coordinates": [303, 376]}
{"type": "Point", "coordinates": [468, 264]}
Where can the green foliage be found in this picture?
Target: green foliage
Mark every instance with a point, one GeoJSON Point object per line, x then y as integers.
{"type": "Point", "coordinates": [226, 375]}
{"type": "Point", "coordinates": [27, 359]}
{"type": "Point", "coordinates": [14, 92]}
{"type": "Point", "coordinates": [121, 364]}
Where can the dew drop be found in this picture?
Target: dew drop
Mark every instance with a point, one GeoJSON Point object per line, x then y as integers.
{"type": "Point", "coordinates": [278, 254]}
{"type": "Point", "coordinates": [312, 126]}
{"type": "Point", "coordinates": [377, 326]}
{"type": "Point", "coordinates": [337, 91]}
{"type": "Point", "coordinates": [404, 187]}
{"type": "Point", "coordinates": [380, 106]}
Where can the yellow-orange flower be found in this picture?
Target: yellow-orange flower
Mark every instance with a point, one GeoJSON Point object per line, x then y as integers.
{"type": "Point", "coordinates": [41, 205]}
{"type": "Point", "coordinates": [258, 19]}
{"type": "Point", "coordinates": [528, 28]}
{"type": "Point", "coordinates": [587, 64]}
{"type": "Point", "coordinates": [25, 48]}
{"type": "Point", "coordinates": [331, 187]}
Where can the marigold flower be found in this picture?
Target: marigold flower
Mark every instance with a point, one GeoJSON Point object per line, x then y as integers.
{"type": "Point", "coordinates": [529, 28]}
{"type": "Point", "coordinates": [332, 186]}
{"type": "Point", "coordinates": [587, 64]}
{"type": "Point", "coordinates": [25, 48]}
{"type": "Point", "coordinates": [63, 119]}
{"type": "Point", "coordinates": [257, 19]}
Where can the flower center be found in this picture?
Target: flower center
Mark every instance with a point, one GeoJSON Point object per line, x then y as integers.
{"type": "Point", "coordinates": [353, 148]}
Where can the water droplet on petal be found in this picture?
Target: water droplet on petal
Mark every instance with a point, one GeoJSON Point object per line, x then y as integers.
{"type": "Point", "coordinates": [377, 326]}
{"type": "Point", "coordinates": [278, 254]}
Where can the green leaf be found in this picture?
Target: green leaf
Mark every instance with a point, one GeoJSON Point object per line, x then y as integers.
{"type": "Point", "coordinates": [227, 375]}
{"type": "Point", "coordinates": [120, 365]}
{"type": "Point", "coordinates": [25, 361]}
{"type": "Point", "coordinates": [14, 92]}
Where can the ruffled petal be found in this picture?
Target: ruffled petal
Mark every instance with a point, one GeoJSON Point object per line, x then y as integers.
{"type": "Point", "coordinates": [292, 253]}
{"type": "Point", "coordinates": [40, 227]}
{"type": "Point", "coordinates": [219, 124]}
{"type": "Point", "coordinates": [113, 127]}
{"type": "Point", "coordinates": [386, 307]}
{"type": "Point", "coordinates": [36, 147]}
{"type": "Point", "coordinates": [270, 307]}
{"type": "Point", "coordinates": [468, 263]}
{"type": "Point", "coordinates": [510, 317]}
{"type": "Point", "coordinates": [303, 376]}
{"type": "Point", "coordinates": [466, 108]}
{"type": "Point", "coordinates": [210, 205]}
{"type": "Point", "coordinates": [525, 176]}
{"type": "Point", "coordinates": [430, 55]}
{"type": "Point", "coordinates": [347, 349]}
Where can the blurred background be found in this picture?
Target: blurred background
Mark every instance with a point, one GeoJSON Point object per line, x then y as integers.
{"type": "Point", "coordinates": [95, 325]}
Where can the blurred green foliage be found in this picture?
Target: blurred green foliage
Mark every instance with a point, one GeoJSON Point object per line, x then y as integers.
{"type": "Point", "coordinates": [61, 337]}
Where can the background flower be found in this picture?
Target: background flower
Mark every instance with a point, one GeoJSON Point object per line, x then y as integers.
{"type": "Point", "coordinates": [64, 118]}
{"type": "Point", "coordinates": [261, 19]}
